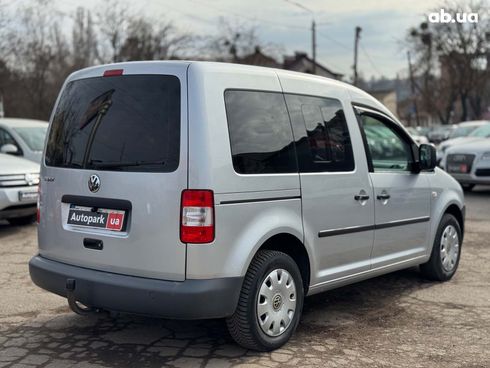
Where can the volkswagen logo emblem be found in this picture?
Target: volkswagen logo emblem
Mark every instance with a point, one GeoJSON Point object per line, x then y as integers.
{"type": "Point", "coordinates": [94, 183]}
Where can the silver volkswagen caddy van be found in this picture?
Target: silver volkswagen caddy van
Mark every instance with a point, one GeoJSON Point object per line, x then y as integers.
{"type": "Point", "coordinates": [195, 190]}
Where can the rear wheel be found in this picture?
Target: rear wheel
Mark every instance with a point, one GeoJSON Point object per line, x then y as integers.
{"type": "Point", "coordinates": [446, 251]}
{"type": "Point", "coordinates": [270, 302]}
{"type": "Point", "coordinates": [20, 221]}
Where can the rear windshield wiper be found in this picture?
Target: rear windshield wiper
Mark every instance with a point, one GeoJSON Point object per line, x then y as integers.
{"type": "Point", "coordinates": [113, 164]}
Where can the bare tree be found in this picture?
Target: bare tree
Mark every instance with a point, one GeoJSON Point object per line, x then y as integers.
{"type": "Point", "coordinates": [149, 41]}
{"type": "Point", "coordinates": [235, 40]}
{"type": "Point", "coordinates": [451, 62]}
{"type": "Point", "coordinates": [84, 40]}
{"type": "Point", "coordinates": [112, 22]}
{"type": "Point", "coordinates": [32, 45]}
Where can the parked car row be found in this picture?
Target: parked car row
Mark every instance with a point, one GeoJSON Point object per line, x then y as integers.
{"type": "Point", "coordinates": [21, 146]}
{"type": "Point", "coordinates": [463, 150]}
{"type": "Point", "coordinates": [465, 133]}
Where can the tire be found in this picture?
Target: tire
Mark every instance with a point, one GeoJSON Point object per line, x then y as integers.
{"type": "Point", "coordinates": [442, 265]}
{"type": "Point", "coordinates": [244, 326]}
{"type": "Point", "coordinates": [467, 187]}
{"type": "Point", "coordinates": [21, 221]}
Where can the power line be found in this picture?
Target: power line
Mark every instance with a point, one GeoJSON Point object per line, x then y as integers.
{"type": "Point", "coordinates": [370, 60]}
{"type": "Point", "coordinates": [255, 19]}
{"type": "Point", "coordinates": [331, 39]}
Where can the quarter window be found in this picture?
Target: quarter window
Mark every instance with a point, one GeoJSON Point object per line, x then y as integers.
{"type": "Point", "coordinates": [322, 136]}
{"type": "Point", "coordinates": [387, 148]}
{"type": "Point", "coordinates": [260, 132]}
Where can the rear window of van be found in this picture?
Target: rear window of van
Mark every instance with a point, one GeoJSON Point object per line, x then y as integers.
{"type": "Point", "coordinates": [119, 123]}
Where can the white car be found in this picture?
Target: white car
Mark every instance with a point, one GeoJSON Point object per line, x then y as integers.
{"type": "Point", "coordinates": [465, 132]}
{"type": "Point", "coordinates": [19, 179]}
{"type": "Point", "coordinates": [417, 137]}
{"type": "Point", "coordinates": [469, 163]}
{"type": "Point", "coordinates": [23, 137]}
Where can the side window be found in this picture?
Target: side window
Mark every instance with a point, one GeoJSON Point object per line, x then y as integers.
{"type": "Point", "coordinates": [260, 132]}
{"type": "Point", "coordinates": [388, 150]}
{"type": "Point", "coordinates": [321, 133]}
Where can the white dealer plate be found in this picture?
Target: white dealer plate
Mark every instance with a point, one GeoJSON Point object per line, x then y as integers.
{"type": "Point", "coordinates": [100, 218]}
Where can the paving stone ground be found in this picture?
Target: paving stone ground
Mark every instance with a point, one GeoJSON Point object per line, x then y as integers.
{"type": "Point", "coordinates": [397, 320]}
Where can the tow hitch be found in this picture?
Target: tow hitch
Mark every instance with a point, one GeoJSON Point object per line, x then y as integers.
{"type": "Point", "coordinates": [72, 302]}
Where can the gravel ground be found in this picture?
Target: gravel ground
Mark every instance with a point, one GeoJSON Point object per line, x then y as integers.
{"type": "Point", "coordinates": [397, 320]}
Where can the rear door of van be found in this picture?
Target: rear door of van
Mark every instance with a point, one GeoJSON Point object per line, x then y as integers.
{"type": "Point", "coordinates": [114, 169]}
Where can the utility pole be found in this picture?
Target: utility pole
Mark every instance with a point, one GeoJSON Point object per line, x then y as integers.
{"type": "Point", "coordinates": [412, 88]}
{"type": "Point", "coordinates": [313, 44]}
{"type": "Point", "coordinates": [313, 31]}
{"type": "Point", "coordinates": [356, 46]}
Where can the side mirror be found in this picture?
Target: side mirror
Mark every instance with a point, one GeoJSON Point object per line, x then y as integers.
{"type": "Point", "coordinates": [427, 157]}
{"type": "Point", "coordinates": [9, 148]}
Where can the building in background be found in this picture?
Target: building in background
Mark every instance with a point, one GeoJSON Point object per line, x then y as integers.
{"type": "Point", "coordinates": [388, 98]}
{"type": "Point", "coordinates": [299, 62]}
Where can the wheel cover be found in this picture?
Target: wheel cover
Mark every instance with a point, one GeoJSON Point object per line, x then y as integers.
{"type": "Point", "coordinates": [276, 302]}
{"type": "Point", "coordinates": [449, 248]}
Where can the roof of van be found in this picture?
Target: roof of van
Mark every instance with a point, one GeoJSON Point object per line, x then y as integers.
{"type": "Point", "coordinates": [357, 95]}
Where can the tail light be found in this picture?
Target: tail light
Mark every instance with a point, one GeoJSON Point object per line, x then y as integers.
{"type": "Point", "coordinates": [197, 216]}
{"type": "Point", "coordinates": [38, 212]}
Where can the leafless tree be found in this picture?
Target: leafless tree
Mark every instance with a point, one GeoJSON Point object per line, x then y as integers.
{"type": "Point", "coordinates": [32, 45]}
{"type": "Point", "coordinates": [112, 22]}
{"type": "Point", "coordinates": [236, 39]}
{"type": "Point", "coordinates": [147, 40]}
{"type": "Point", "coordinates": [84, 39]}
{"type": "Point", "coordinates": [452, 61]}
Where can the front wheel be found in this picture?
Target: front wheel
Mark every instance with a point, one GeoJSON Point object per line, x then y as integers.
{"type": "Point", "coordinates": [446, 251]}
{"type": "Point", "coordinates": [270, 303]}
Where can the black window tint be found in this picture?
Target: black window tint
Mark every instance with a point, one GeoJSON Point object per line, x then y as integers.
{"type": "Point", "coordinates": [321, 133]}
{"type": "Point", "coordinates": [389, 151]}
{"type": "Point", "coordinates": [260, 132]}
{"type": "Point", "coordinates": [128, 123]}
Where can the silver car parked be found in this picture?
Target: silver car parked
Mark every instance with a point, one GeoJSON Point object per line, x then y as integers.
{"type": "Point", "coordinates": [19, 179]}
{"type": "Point", "coordinates": [23, 137]}
{"type": "Point", "coordinates": [469, 163]}
{"type": "Point", "coordinates": [206, 190]}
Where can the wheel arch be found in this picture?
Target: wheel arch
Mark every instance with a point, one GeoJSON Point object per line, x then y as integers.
{"type": "Point", "coordinates": [293, 247]}
{"type": "Point", "coordinates": [454, 210]}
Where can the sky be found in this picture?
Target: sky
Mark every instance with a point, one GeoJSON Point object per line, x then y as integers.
{"type": "Point", "coordinates": [384, 24]}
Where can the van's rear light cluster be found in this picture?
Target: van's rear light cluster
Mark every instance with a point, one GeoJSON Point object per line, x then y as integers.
{"type": "Point", "coordinates": [197, 216]}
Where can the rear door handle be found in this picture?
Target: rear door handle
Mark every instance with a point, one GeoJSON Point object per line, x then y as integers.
{"type": "Point", "coordinates": [361, 197]}
{"type": "Point", "coordinates": [383, 196]}
{"type": "Point", "coordinates": [93, 243]}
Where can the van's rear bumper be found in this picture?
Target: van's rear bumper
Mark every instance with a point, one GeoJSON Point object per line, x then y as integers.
{"type": "Point", "coordinates": [189, 299]}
